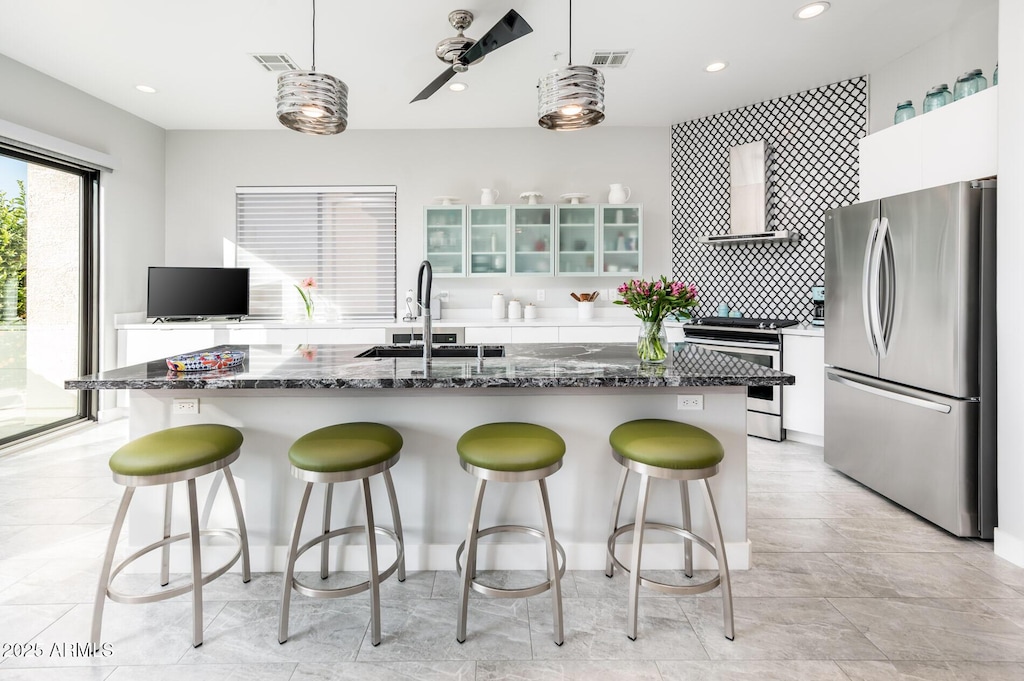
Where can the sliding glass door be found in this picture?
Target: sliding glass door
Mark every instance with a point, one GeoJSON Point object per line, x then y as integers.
{"type": "Point", "coordinates": [47, 214]}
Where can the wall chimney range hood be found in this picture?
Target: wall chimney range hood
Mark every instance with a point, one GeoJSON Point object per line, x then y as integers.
{"type": "Point", "coordinates": [747, 199]}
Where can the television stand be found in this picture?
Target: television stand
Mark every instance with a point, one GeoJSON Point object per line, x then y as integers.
{"type": "Point", "coordinates": [178, 319]}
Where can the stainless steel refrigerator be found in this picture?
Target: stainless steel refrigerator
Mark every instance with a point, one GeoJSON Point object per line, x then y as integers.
{"type": "Point", "coordinates": [910, 351]}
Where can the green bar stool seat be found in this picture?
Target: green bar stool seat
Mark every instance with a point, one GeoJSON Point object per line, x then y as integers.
{"type": "Point", "coordinates": [510, 452]}
{"type": "Point", "coordinates": [344, 453]}
{"type": "Point", "coordinates": [164, 458]}
{"type": "Point", "coordinates": [658, 448]}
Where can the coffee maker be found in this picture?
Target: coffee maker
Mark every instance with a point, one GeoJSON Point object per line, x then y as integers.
{"type": "Point", "coordinates": [818, 305]}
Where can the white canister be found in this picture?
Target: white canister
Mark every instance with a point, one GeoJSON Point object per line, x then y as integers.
{"type": "Point", "coordinates": [497, 306]}
{"type": "Point", "coordinates": [618, 193]}
{"type": "Point", "coordinates": [515, 309]}
{"type": "Point", "coordinates": [530, 311]}
{"type": "Point", "coordinates": [586, 310]}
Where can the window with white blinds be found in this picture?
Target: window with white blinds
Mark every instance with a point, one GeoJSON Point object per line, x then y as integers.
{"type": "Point", "coordinates": [342, 237]}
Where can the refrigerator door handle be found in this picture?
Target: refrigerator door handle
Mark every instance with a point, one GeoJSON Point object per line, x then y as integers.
{"type": "Point", "coordinates": [889, 394]}
{"type": "Point", "coordinates": [874, 286]}
{"type": "Point", "coordinates": [865, 292]}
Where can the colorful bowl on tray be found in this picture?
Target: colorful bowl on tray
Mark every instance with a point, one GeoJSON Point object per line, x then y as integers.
{"type": "Point", "coordinates": [205, 361]}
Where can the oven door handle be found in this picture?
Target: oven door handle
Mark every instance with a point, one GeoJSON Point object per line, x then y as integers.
{"type": "Point", "coordinates": [768, 348]}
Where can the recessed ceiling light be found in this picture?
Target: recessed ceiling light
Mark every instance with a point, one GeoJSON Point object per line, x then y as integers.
{"type": "Point", "coordinates": [716, 66]}
{"type": "Point", "coordinates": [457, 87]}
{"type": "Point", "coordinates": [145, 88]}
{"type": "Point", "coordinates": [812, 10]}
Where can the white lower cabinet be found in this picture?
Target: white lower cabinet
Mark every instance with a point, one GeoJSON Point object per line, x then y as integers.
{"type": "Point", "coordinates": [535, 334]}
{"type": "Point", "coordinates": [145, 345]}
{"type": "Point", "coordinates": [598, 334]}
{"type": "Point", "coordinates": [488, 334]}
{"type": "Point", "coordinates": [803, 404]}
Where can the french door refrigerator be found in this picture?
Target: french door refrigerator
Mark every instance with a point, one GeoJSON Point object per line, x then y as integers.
{"type": "Point", "coordinates": [910, 351]}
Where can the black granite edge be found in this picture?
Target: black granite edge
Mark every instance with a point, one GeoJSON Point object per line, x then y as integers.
{"type": "Point", "coordinates": [430, 383]}
{"type": "Point", "coordinates": [337, 367]}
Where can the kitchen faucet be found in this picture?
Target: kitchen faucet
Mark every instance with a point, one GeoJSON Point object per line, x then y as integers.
{"type": "Point", "coordinates": [421, 298]}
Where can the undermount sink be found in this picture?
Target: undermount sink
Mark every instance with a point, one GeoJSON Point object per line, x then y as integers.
{"type": "Point", "coordinates": [380, 351]}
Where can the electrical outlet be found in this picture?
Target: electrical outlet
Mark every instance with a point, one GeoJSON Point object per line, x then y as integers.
{"type": "Point", "coordinates": [443, 296]}
{"type": "Point", "coordinates": [613, 294]}
{"type": "Point", "coordinates": [540, 295]}
{"type": "Point", "coordinates": [690, 402]}
{"type": "Point", "coordinates": [185, 406]}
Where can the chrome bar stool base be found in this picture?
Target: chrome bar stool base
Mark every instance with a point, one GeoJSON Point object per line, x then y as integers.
{"type": "Point", "coordinates": [495, 452]}
{"type": "Point", "coordinates": [336, 468]}
{"type": "Point", "coordinates": [630, 436]}
{"type": "Point", "coordinates": [136, 453]}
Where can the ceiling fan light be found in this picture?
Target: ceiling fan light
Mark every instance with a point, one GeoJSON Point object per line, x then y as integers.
{"type": "Point", "coordinates": [571, 98]}
{"type": "Point", "coordinates": [312, 102]}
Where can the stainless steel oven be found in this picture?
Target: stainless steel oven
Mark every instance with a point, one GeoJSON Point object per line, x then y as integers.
{"type": "Point", "coordinates": [754, 340]}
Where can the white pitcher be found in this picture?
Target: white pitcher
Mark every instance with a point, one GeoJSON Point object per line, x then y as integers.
{"type": "Point", "coordinates": [618, 194]}
{"type": "Point", "coordinates": [488, 196]}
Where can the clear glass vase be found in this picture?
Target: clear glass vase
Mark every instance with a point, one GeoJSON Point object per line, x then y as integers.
{"type": "Point", "coordinates": [652, 343]}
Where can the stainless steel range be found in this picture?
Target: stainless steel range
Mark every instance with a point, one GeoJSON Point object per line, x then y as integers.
{"type": "Point", "coordinates": [755, 340]}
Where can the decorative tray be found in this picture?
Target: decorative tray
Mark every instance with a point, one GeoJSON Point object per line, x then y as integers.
{"type": "Point", "coordinates": [205, 361]}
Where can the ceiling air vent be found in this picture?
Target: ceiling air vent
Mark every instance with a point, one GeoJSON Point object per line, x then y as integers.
{"type": "Point", "coordinates": [611, 59]}
{"type": "Point", "coordinates": [275, 62]}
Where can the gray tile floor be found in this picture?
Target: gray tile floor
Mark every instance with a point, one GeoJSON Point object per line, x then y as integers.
{"type": "Point", "coordinates": [844, 585]}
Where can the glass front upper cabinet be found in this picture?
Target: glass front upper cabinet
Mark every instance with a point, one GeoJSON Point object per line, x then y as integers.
{"type": "Point", "coordinates": [577, 240]}
{"type": "Point", "coordinates": [532, 242]}
{"type": "Point", "coordinates": [621, 239]}
{"type": "Point", "coordinates": [444, 239]}
{"type": "Point", "coordinates": [488, 240]}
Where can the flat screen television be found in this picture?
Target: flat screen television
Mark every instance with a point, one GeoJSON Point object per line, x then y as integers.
{"type": "Point", "coordinates": [184, 293]}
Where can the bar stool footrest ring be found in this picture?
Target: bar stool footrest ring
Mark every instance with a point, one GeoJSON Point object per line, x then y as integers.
{"type": "Point", "coordinates": [511, 593]}
{"type": "Point", "coordinates": [153, 597]}
{"type": "Point", "coordinates": [674, 589]}
{"type": "Point", "coordinates": [355, 588]}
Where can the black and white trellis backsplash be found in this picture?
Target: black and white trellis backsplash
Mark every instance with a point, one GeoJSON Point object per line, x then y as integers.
{"type": "Point", "coordinates": [812, 167]}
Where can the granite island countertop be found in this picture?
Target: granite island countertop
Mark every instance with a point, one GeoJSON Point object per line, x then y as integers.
{"type": "Point", "coordinates": [594, 365]}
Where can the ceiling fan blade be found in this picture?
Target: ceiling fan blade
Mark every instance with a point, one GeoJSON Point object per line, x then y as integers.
{"type": "Point", "coordinates": [511, 27]}
{"type": "Point", "coordinates": [435, 84]}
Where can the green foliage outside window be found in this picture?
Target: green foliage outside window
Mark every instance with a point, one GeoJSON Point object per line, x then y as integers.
{"type": "Point", "coordinates": [13, 249]}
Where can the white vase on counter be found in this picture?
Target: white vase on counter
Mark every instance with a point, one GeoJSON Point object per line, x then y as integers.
{"type": "Point", "coordinates": [618, 193]}
{"type": "Point", "coordinates": [497, 306]}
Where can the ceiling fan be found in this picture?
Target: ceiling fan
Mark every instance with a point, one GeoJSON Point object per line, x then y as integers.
{"type": "Point", "coordinates": [459, 51]}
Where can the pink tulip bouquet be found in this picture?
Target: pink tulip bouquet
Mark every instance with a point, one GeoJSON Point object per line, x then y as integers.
{"type": "Point", "coordinates": [305, 289]}
{"type": "Point", "coordinates": [653, 301]}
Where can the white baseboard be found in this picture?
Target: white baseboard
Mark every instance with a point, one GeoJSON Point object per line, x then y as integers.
{"type": "Point", "coordinates": [805, 438]}
{"type": "Point", "coordinates": [111, 414]}
{"type": "Point", "coordinates": [1009, 547]}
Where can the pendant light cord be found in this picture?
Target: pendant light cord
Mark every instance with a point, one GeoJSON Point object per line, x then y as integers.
{"type": "Point", "coordinates": [570, 32]}
{"type": "Point", "coordinates": [314, 35]}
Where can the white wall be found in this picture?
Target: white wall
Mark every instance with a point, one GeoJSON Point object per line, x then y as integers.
{"type": "Point", "coordinates": [970, 44]}
{"type": "Point", "coordinates": [132, 197]}
{"type": "Point", "coordinates": [204, 167]}
{"type": "Point", "coordinates": [1009, 540]}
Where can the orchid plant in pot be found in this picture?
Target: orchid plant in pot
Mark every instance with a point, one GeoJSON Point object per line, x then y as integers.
{"type": "Point", "coordinates": [653, 301]}
{"type": "Point", "coordinates": [305, 289]}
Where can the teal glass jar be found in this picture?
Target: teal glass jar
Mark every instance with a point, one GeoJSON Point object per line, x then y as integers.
{"type": "Point", "coordinates": [970, 83]}
{"type": "Point", "coordinates": [937, 97]}
{"type": "Point", "coordinates": [904, 112]}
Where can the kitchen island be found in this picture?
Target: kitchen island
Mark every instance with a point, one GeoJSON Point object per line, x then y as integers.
{"type": "Point", "coordinates": [580, 391]}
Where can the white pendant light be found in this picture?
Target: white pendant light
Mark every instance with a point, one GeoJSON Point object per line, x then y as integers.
{"type": "Point", "coordinates": [311, 102]}
{"type": "Point", "coordinates": [571, 98]}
